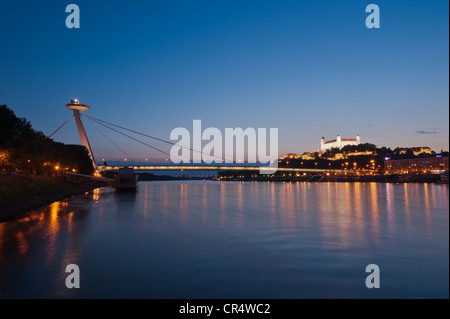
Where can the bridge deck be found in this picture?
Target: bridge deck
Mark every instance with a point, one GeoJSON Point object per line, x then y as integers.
{"type": "Point", "coordinates": [104, 168]}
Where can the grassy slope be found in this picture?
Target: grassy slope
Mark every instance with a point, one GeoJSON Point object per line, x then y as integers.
{"type": "Point", "coordinates": [14, 189]}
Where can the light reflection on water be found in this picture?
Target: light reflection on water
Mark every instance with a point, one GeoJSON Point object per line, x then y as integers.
{"type": "Point", "coordinates": [233, 240]}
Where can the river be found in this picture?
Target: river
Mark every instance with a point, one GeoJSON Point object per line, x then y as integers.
{"type": "Point", "coordinates": [205, 239]}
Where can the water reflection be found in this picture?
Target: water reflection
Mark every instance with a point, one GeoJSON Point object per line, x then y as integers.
{"type": "Point", "coordinates": [96, 194]}
{"type": "Point", "coordinates": [178, 239]}
{"type": "Point", "coordinates": [374, 206]}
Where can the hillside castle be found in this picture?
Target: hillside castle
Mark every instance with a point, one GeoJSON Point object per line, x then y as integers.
{"type": "Point", "coordinates": [338, 143]}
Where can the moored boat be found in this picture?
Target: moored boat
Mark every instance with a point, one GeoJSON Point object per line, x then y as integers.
{"type": "Point", "coordinates": [126, 179]}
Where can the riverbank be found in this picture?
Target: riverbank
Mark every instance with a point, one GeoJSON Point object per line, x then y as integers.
{"type": "Point", "coordinates": [291, 177]}
{"type": "Point", "coordinates": [21, 194]}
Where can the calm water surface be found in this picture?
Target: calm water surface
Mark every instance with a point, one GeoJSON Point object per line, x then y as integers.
{"type": "Point", "coordinates": [234, 240]}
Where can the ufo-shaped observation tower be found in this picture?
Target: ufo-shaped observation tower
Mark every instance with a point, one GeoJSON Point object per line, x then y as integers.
{"type": "Point", "coordinates": [77, 107]}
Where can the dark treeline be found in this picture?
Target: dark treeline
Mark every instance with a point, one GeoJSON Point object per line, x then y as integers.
{"type": "Point", "coordinates": [24, 149]}
{"type": "Point", "coordinates": [372, 162]}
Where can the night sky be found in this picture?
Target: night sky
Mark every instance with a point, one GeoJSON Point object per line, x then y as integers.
{"type": "Point", "coordinates": [309, 68]}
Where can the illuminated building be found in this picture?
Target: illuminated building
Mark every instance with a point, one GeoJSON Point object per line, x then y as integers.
{"type": "Point", "coordinates": [421, 165]}
{"type": "Point", "coordinates": [338, 143]}
{"type": "Point", "coordinates": [416, 150]}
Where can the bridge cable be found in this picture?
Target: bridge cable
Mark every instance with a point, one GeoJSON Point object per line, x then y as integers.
{"type": "Point", "coordinates": [128, 156]}
{"type": "Point", "coordinates": [155, 138]}
{"type": "Point", "coordinates": [124, 128]}
{"type": "Point", "coordinates": [155, 148]}
{"type": "Point", "coordinates": [60, 126]}
{"type": "Point", "coordinates": [152, 137]}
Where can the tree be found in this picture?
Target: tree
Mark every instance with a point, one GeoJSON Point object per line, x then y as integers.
{"type": "Point", "coordinates": [32, 151]}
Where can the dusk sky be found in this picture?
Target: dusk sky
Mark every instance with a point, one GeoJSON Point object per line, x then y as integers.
{"type": "Point", "coordinates": [308, 68]}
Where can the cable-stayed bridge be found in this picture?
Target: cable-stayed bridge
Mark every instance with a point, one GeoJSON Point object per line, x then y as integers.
{"type": "Point", "coordinates": [78, 107]}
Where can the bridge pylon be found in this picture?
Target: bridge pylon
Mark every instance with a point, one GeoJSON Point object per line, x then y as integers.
{"type": "Point", "coordinates": [77, 107]}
